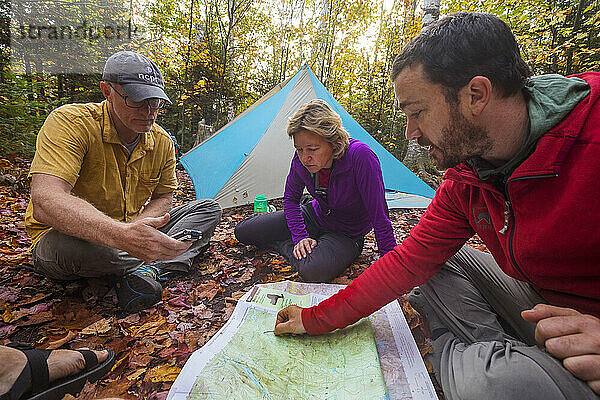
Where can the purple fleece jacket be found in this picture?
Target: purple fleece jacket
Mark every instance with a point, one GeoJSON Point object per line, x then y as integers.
{"type": "Point", "coordinates": [356, 197]}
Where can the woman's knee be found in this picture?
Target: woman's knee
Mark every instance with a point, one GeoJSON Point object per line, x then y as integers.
{"type": "Point", "coordinates": [311, 270]}
{"type": "Point", "coordinates": [250, 230]}
{"type": "Point", "coordinates": [310, 273]}
{"type": "Point", "coordinates": [241, 232]}
{"type": "Point", "coordinates": [263, 230]}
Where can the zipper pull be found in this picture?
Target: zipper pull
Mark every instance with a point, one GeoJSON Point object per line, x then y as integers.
{"type": "Point", "coordinates": [506, 218]}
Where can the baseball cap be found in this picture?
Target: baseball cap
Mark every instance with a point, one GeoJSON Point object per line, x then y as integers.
{"type": "Point", "coordinates": [139, 76]}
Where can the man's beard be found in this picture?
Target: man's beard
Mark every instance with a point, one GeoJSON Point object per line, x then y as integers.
{"type": "Point", "coordinates": [461, 140]}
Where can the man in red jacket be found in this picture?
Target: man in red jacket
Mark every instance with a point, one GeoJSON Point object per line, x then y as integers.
{"type": "Point", "coordinates": [523, 155]}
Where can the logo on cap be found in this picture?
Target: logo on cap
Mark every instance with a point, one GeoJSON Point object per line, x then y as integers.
{"type": "Point", "coordinates": [148, 69]}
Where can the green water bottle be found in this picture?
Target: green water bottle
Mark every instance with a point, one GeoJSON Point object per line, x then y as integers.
{"type": "Point", "coordinates": [260, 204]}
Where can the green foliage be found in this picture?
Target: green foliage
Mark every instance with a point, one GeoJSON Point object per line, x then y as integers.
{"type": "Point", "coordinates": [20, 112]}
{"type": "Point", "coordinates": [200, 52]}
{"type": "Point", "coordinates": [556, 36]}
{"type": "Point", "coordinates": [19, 117]}
{"type": "Point", "coordinates": [428, 166]}
{"type": "Point", "coordinates": [219, 57]}
{"type": "Point", "coordinates": [26, 101]}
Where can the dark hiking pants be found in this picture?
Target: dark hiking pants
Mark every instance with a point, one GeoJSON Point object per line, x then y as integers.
{"type": "Point", "coordinates": [334, 252]}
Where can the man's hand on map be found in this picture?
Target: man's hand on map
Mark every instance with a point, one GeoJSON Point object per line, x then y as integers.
{"type": "Point", "coordinates": [289, 320]}
{"type": "Point", "coordinates": [571, 337]}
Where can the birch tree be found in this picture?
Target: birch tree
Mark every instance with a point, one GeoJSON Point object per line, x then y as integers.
{"type": "Point", "coordinates": [415, 154]}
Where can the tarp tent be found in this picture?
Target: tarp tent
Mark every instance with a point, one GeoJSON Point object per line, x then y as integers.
{"type": "Point", "coordinates": [251, 154]}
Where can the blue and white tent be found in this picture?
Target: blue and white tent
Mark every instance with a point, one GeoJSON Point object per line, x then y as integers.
{"type": "Point", "coordinates": [251, 155]}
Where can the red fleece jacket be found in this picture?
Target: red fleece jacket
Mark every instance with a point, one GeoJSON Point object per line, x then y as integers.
{"type": "Point", "coordinates": [553, 235]}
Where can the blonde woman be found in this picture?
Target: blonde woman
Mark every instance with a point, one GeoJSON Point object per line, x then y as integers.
{"type": "Point", "coordinates": [323, 237]}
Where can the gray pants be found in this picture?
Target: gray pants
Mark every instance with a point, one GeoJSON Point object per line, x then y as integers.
{"type": "Point", "coordinates": [335, 251]}
{"type": "Point", "coordinates": [490, 351]}
{"type": "Point", "coordinates": [64, 257]}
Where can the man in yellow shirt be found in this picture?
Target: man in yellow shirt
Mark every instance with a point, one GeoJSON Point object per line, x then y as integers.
{"type": "Point", "coordinates": [102, 183]}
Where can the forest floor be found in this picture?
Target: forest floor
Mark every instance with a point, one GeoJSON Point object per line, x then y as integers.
{"type": "Point", "coordinates": [151, 346]}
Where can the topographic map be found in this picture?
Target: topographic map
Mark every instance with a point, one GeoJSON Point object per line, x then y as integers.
{"type": "Point", "coordinates": [245, 360]}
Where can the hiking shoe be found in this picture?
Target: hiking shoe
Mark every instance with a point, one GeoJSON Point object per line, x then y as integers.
{"type": "Point", "coordinates": [140, 289]}
{"type": "Point", "coordinates": [418, 301]}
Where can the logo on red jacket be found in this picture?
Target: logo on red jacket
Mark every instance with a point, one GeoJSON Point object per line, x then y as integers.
{"type": "Point", "coordinates": [482, 219]}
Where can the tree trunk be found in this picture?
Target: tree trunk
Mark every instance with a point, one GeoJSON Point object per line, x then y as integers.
{"type": "Point", "coordinates": [61, 85]}
{"type": "Point", "coordinates": [182, 114]}
{"type": "Point", "coordinates": [576, 26]}
{"type": "Point", "coordinates": [431, 12]}
{"type": "Point", "coordinates": [416, 156]}
{"type": "Point", "coordinates": [301, 45]}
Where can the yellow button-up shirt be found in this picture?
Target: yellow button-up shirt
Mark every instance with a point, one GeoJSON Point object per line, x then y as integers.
{"type": "Point", "coordinates": [79, 144]}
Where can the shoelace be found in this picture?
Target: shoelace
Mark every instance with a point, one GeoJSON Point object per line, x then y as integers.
{"type": "Point", "coordinates": [150, 271]}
